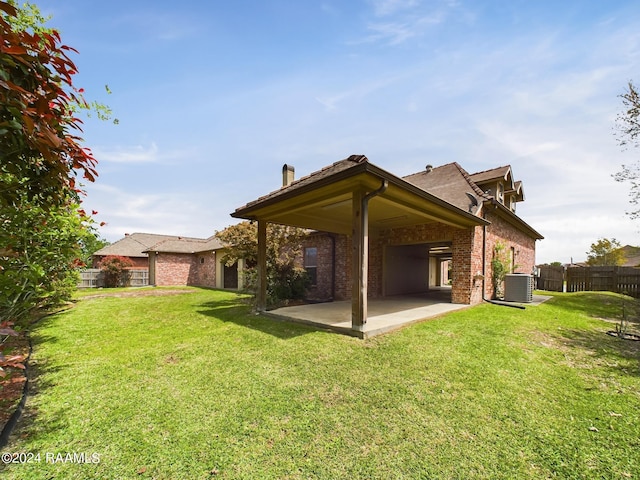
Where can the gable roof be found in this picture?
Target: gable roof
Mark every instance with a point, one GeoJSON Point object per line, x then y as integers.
{"type": "Point", "coordinates": [139, 244]}
{"type": "Point", "coordinates": [451, 183]}
{"type": "Point", "coordinates": [313, 178]}
{"type": "Point", "coordinates": [498, 173]}
{"type": "Point", "coordinates": [322, 200]}
{"type": "Point", "coordinates": [186, 245]}
{"type": "Point", "coordinates": [133, 245]}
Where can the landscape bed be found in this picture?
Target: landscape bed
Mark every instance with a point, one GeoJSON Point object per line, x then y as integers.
{"type": "Point", "coordinates": [195, 386]}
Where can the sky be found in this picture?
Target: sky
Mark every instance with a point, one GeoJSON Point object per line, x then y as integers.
{"type": "Point", "coordinates": [213, 97]}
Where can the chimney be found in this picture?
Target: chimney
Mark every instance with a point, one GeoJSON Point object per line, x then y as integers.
{"type": "Point", "coordinates": [429, 168]}
{"type": "Point", "coordinates": [288, 174]}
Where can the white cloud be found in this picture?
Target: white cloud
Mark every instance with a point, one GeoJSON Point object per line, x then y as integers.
{"type": "Point", "coordinates": [132, 154]}
{"type": "Point", "coordinates": [168, 213]}
{"type": "Point", "coordinates": [400, 20]}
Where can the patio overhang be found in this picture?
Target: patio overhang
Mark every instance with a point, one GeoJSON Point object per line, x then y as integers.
{"type": "Point", "coordinates": [325, 203]}
{"type": "Point", "coordinates": [351, 197]}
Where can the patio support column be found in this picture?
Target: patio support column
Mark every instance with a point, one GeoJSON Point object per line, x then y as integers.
{"type": "Point", "coordinates": [360, 254]}
{"type": "Point", "coordinates": [261, 294]}
{"type": "Point", "coordinates": [359, 261]}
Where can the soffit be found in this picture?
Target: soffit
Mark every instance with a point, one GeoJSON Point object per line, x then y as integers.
{"type": "Point", "coordinates": [327, 205]}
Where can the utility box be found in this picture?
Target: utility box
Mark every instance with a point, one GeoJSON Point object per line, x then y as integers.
{"type": "Point", "coordinates": [518, 287]}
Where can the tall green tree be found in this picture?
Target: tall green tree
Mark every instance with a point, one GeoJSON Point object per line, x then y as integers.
{"type": "Point", "coordinates": [605, 252]}
{"type": "Point", "coordinates": [42, 225]}
{"type": "Point", "coordinates": [628, 134]}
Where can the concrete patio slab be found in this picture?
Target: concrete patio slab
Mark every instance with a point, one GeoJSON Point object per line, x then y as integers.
{"type": "Point", "coordinates": [385, 314]}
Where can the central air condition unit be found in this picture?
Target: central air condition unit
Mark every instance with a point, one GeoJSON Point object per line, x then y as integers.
{"type": "Point", "coordinates": [518, 287]}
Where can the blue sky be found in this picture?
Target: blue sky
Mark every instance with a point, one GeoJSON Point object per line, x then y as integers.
{"type": "Point", "coordinates": [213, 97]}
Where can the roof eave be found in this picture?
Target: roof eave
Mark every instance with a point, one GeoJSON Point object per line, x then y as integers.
{"type": "Point", "coordinates": [512, 218]}
{"type": "Point", "coordinates": [249, 212]}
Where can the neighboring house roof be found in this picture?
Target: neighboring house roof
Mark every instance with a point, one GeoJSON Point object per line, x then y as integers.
{"type": "Point", "coordinates": [133, 245]}
{"type": "Point", "coordinates": [139, 244]}
{"type": "Point", "coordinates": [631, 255]}
{"type": "Point", "coordinates": [186, 245]}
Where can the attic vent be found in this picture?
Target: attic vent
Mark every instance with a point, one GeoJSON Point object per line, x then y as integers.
{"type": "Point", "coordinates": [429, 168]}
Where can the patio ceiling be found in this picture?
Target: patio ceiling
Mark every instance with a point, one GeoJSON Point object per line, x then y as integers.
{"type": "Point", "coordinates": [326, 203]}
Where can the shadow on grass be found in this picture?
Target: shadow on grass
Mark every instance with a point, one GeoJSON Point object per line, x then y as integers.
{"type": "Point", "coordinates": [239, 313]}
{"type": "Point", "coordinates": [597, 305]}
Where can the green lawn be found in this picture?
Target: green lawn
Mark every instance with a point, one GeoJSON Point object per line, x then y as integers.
{"type": "Point", "coordinates": [192, 386]}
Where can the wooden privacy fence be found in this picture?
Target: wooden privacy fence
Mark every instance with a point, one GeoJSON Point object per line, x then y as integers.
{"type": "Point", "coordinates": [94, 278]}
{"type": "Point", "coordinates": [583, 279]}
{"type": "Point", "coordinates": [613, 279]}
{"type": "Point", "coordinates": [551, 278]}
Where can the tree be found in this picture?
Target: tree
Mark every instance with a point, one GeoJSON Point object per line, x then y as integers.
{"type": "Point", "coordinates": [42, 225]}
{"type": "Point", "coordinates": [90, 244]}
{"type": "Point", "coordinates": [285, 279]}
{"type": "Point", "coordinates": [116, 270]}
{"type": "Point", "coordinates": [500, 266]}
{"type": "Point", "coordinates": [605, 252]}
{"type": "Point", "coordinates": [41, 252]}
{"type": "Point", "coordinates": [628, 127]}
{"type": "Point", "coordinates": [38, 132]}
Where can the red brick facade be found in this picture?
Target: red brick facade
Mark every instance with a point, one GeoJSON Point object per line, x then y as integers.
{"type": "Point", "coordinates": [184, 269]}
{"type": "Point", "coordinates": [467, 247]}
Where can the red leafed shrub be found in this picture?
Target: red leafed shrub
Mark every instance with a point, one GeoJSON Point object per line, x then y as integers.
{"type": "Point", "coordinates": [115, 270]}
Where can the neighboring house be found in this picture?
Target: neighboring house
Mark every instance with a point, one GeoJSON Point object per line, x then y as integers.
{"type": "Point", "coordinates": [379, 235]}
{"type": "Point", "coordinates": [631, 256]}
{"type": "Point", "coordinates": [175, 260]}
{"type": "Point", "coordinates": [132, 246]}
{"type": "Point", "coordinates": [192, 261]}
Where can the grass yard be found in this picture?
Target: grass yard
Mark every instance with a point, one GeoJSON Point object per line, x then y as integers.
{"type": "Point", "coordinates": [193, 386]}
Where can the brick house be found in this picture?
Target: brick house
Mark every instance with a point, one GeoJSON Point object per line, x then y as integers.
{"type": "Point", "coordinates": [192, 261]}
{"type": "Point", "coordinates": [131, 246]}
{"type": "Point", "coordinates": [377, 235]}
{"type": "Point", "coordinates": [173, 260]}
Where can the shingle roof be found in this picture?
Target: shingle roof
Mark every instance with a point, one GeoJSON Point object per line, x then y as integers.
{"type": "Point", "coordinates": [186, 245]}
{"type": "Point", "coordinates": [491, 174]}
{"type": "Point", "coordinates": [133, 245]}
{"type": "Point", "coordinates": [138, 244]}
{"type": "Point", "coordinates": [449, 182]}
{"type": "Point", "coordinates": [312, 178]}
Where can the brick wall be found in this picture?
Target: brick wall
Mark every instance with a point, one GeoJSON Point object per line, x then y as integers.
{"type": "Point", "coordinates": [524, 247]}
{"type": "Point", "coordinates": [467, 262]}
{"type": "Point", "coordinates": [174, 269]}
{"type": "Point", "coordinates": [205, 270]}
{"type": "Point", "coordinates": [186, 269]}
{"type": "Point", "coordinates": [324, 242]}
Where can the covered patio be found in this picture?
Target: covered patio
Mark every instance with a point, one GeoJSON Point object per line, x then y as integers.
{"type": "Point", "coordinates": [356, 198]}
{"type": "Point", "coordinates": [385, 314]}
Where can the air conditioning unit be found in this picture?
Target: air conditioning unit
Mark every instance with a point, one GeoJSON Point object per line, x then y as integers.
{"type": "Point", "coordinates": [518, 287]}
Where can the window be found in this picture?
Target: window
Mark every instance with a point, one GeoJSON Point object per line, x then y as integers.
{"type": "Point", "coordinates": [311, 264]}
{"type": "Point", "coordinates": [500, 192]}
{"type": "Point", "coordinates": [201, 260]}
